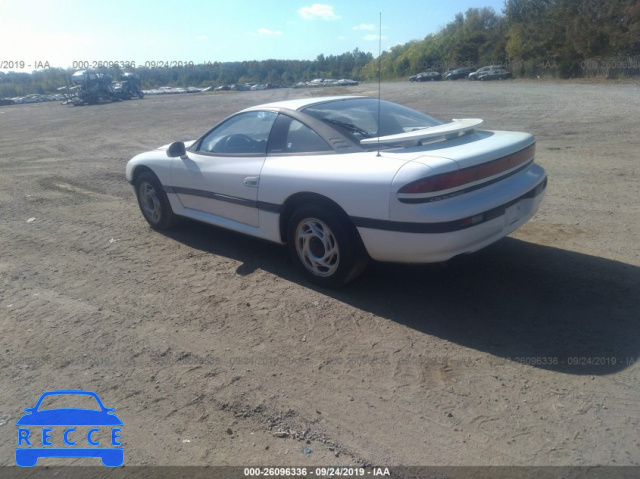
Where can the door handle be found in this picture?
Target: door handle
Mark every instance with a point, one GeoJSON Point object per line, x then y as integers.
{"type": "Point", "coordinates": [251, 181]}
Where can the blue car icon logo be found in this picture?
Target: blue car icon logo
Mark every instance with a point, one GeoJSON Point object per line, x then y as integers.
{"type": "Point", "coordinates": [41, 430]}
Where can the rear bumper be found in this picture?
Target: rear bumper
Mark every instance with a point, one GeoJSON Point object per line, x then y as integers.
{"type": "Point", "coordinates": [412, 242]}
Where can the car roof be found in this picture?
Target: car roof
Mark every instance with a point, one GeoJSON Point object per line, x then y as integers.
{"type": "Point", "coordinates": [300, 103]}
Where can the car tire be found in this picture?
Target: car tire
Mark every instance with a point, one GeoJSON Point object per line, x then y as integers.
{"type": "Point", "coordinates": [325, 246]}
{"type": "Point", "coordinates": [153, 202]}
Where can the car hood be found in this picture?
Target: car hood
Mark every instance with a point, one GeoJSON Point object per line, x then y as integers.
{"type": "Point", "coordinates": [69, 417]}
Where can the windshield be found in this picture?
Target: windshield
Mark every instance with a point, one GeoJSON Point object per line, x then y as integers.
{"type": "Point", "coordinates": [358, 117]}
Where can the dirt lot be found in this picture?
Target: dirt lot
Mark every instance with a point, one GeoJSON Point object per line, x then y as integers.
{"type": "Point", "coordinates": [207, 342]}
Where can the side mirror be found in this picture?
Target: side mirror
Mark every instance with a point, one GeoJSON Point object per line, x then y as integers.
{"type": "Point", "coordinates": [176, 149]}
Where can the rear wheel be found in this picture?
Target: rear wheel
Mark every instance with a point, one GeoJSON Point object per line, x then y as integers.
{"type": "Point", "coordinates": [325, 246]}
{"type": "Point", "coordinates": [153, 202]}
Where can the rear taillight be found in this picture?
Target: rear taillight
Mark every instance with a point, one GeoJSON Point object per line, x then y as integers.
{"type": "Point", "coordinates": [445, 182]}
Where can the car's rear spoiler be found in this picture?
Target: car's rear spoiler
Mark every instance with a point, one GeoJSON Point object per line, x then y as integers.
{"type": "Point", "coordinates": [413, 138]}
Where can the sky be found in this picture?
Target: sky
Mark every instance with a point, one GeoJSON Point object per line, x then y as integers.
{"type": "Point", "coordinates": [57, 33]}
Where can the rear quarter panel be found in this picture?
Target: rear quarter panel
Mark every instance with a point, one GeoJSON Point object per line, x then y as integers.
{"type": "Point", "coordinates": [360, 182]}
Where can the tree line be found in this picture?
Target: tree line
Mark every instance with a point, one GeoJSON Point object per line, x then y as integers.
{"type": "Point", "coordinates": [284, 72]}
{"type": "Point", "coordinates": [532, 38]}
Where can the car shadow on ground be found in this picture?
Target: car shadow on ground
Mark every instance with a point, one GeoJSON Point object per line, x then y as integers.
{"type": "Point", "coordinates": [515, 300]}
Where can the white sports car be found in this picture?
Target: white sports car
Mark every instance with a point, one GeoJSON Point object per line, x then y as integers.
{"type": "Point", "coordinates": [341, 180]}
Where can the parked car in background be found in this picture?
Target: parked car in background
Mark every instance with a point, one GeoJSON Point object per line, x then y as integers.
{"type": "Point", "coordinates": [458, 73]}
{"type": "Point", "coordinates": [7, 101]}
{"type": "Point", "coordinates": [480, 71]}
{"type": "Point", "coordinates": [426, 76]}
{"type": "Point", "coordinates": [33, 98]}
{"type": "Point", "coordinates": [347, 82]}
{"type": "Point", "coordinates": [324, 82]}
{"type": "Point", "coordinates": [497, 74]}
{"type": "Point", "coordinates": [318, 82]}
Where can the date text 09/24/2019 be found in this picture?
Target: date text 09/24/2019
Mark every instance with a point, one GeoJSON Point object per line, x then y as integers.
{"type": "Point", "coordinates": [332, 471]}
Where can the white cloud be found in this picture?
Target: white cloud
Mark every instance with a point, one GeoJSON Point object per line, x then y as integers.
{"type": "Point", "coordinates": [203, 37]}
{"type": "Point", "coordinates": [371, 38]}
{"type": "Point", "coordinates": [266, 31]}
{"type": "Point", "coordinates": [318, 10]}
{"type": "Point", "coordinates": [365, 26]}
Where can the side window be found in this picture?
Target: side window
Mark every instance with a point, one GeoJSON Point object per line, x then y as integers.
{"type": "Point", "coordinates": [298, 138]}
{"type": "Point", "coordinates": [246, 133]}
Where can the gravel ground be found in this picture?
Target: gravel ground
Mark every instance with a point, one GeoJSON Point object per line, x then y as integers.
{"type": "Point", "coordinates": [213, 350]}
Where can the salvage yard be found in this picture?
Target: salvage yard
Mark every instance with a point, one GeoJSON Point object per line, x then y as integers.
{"type": "Point", "coordinates": [213, 350]}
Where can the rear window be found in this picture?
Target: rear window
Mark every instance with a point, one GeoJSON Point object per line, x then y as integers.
{"type": "Point", "coordinates": [358, 117]}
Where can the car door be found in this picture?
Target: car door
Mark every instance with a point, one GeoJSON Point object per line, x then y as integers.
{"type": "Point", "coordinates": [220, 174]}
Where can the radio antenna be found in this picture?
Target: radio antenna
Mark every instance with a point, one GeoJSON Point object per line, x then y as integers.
{"type": "Point", "coordinates": [379, 77]}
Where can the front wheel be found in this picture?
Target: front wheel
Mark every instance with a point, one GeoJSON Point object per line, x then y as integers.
{"type": "Point", "coordinates": [325, 246]}
{"type": "Point", "coordinates": [153, 202]}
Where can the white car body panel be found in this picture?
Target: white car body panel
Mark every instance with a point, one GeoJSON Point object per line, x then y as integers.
{"type": "Point", "coordinates": [359, 182]}
{"type": "Point", "coordinates": [436, 246]}
{"type": "Point", "coordinates": [433, 248]}
{"type": "Point", "coordinates": [228, 177]}
{"type": "Point", "coordinates": [296, 104]}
